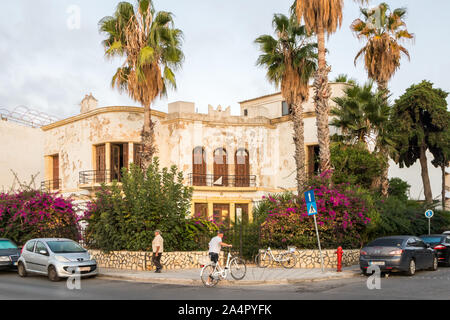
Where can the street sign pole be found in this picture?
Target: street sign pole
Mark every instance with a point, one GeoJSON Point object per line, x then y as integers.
{"type": "Point", "coordinates": [311, 208]}
{"type": "Point", "coordinates": [318, 241]}
{"type": "Point", "coordinates": [429, 214]}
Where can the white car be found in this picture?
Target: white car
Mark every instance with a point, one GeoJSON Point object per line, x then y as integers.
{"type": "Point", "coordinates": [56, 258]}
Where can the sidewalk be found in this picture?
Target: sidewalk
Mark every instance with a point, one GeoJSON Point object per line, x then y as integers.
{"type": "Point", "coordinates": [254, 276]}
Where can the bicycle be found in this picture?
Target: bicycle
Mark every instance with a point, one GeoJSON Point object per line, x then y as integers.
{"type": "Point", "coordinates": [212, 273]}
{"type": "Point", "coordinates": [266, 257]}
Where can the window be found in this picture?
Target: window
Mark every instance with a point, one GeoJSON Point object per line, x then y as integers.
{"type": "Point", "coordinates": [65, 247]}
{"type": "Point", "coordinates": [199, 166]}
{"type": "Point", "coordinates": [201, 210]}
{"type": "Point", "coordinates": [40, 247]}
{"type": "Point", "coordinates": [30, 246]}
{"type": "Point", "coordinates": [245, 112]}
{"type": "Point", "coordinates": [6, 244]}
{"type": "Point", "coordinates": [119, 159]}
{"type": "Point", "coordinates": [242, 168]}
{"type": "Point", "coordinates": [220, 167]}
{"type": "Point", "coordinates": [55, 178]}
{"type": "Point", "coordinates": [390, 242]}
{"type": "Point", "coordinates": [285, 109]}
{"type": "Point", "coordinates": [313, 159]}
{"type": "Point", "coordinates": [221, 215]}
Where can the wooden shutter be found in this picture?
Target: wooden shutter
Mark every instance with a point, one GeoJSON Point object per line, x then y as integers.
{"type": "Point", "coordinates": [220, 167]}
{"type": "Point", "coordinates": [242, 168]}
{"type": "Point", "coordinates": [125, 155]}
{"type": "Point", "coordinates": [55, 172]}
{"type": "Point", "coordinates": [100, 163]}
{"type": "Point", "coordinates": [199, 167]}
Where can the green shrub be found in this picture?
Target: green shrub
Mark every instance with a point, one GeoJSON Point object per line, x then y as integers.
{"type": "Point", "coordinates": [124, 217]}
{"type": "Point", "coordinates": [399, 189]}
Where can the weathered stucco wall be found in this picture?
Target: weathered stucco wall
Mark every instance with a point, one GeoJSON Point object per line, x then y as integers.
{"type": "Point", "coordinates": [22, 150]}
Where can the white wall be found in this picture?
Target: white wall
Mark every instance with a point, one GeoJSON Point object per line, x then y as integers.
{"type": "Point", "coordinates": [21, 150]}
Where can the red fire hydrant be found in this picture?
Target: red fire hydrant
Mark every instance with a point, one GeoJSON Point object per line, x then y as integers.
{"type": "Point", "coordinates": [339, 253]}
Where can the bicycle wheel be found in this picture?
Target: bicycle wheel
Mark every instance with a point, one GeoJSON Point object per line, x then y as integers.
{"type": "Point", "coordinates": [238, 268]}
{"type": "Point", "coordinates": [263, 259]}
{"type": "Point", "coordinates": [288, 260]}
{"type": "Point", "coordinates": [208, 276]}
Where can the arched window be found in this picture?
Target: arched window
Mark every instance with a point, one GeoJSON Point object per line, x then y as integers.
{"type": "Point", "coordinates": [220, 167]}
{"type": "Point", "coordinates": [242, 168]}
{"type": "Point", "coordinates": [199, 166]}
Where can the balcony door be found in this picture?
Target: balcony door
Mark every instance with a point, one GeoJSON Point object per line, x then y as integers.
{"type": "Point", "coordinates": [199, 167]}
{"type": "Point", "coordinates": [119, 160]}
{"type": "Point", "coordinates": [220, 167]}
{"type": "Point", "coordinates": [55, 183]}
{"type": "Point", "coordinates": [242, 168]}
{"type": "Point", "coordinates": [100, 163]}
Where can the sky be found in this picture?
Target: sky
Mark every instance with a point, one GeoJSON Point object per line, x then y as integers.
{"type": "Point", "coordinates": [49, 62]}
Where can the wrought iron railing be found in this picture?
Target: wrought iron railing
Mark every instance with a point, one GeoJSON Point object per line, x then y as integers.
{"type": "Point", "coordinates": [211, 180]}
{"type": "Point", "coordinates": [98, 176]}
{"type": "Point", "coordinates": [51, 185]}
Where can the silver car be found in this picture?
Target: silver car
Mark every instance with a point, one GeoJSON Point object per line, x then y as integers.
{"type": "Point", "coordinates": [56, 258]}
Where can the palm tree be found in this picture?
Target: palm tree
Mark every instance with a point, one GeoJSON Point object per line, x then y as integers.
{"type": "Point", "coordinates": [151, 47]}
{"type": "Point", "coordinates": [344, 78]}
{"type": "Point", "coordinates": [291, 61]}
{"type": "Point", "coordinates": [322, 17]}
{"type": "Point", "coordinates": [382, 29]}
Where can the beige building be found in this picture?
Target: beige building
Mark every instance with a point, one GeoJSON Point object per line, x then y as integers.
{"type": "Point", "coordinates": [230, 161]}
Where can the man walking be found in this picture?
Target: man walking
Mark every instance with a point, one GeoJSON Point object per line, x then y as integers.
{"type": "Point", "coordinates": [158, 248]}
{"type": "Point", "coordinates": [215, 245]}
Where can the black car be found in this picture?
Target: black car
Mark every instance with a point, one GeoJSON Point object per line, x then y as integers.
{"type": "Point", "coordinates": [9, 254]}
{"type": "Point", "coordinates": [441, 244]}
{"type": "Point", "coordinates": [398, 253]}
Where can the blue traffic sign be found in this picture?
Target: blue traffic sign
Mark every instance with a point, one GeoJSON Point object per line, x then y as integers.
{"type": "Point", "coordinates": [311, 206]}
{"type": "Point", "coordinates": [429, 214]}
{"type": "Point", "coordinates": [309, 196]}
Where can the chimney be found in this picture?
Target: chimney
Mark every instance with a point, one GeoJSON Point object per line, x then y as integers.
{"type": "Point", "coordinates": [88, 103]}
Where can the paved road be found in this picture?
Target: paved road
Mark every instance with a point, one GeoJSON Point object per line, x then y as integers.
{"type": "Point", "coordinates": [425, 285]}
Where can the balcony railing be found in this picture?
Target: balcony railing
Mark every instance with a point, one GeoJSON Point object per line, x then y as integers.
{"type": "Point", "coordinates": [211, 180]}
{"type": "Point", "coordinates": [98, 176]}
{"type": "Point", "coordinates": [51, 185]}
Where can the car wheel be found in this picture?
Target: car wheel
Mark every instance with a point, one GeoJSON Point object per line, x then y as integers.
{"type": "Point", "coordinates": [411, 268]}
{"type": "Point", "coordinates": [52, 274]}
{"type": "Point", "coordinates": [434, 266]}
{"type": "Point", "coordinates": [21, 270]}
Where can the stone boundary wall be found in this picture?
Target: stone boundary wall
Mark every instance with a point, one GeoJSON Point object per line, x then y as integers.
{"type": "Point", "coordinates": [140, 261]}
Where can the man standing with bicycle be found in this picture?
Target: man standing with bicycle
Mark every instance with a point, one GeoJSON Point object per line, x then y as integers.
{"type": "Point", "coordinates": [215, 245]}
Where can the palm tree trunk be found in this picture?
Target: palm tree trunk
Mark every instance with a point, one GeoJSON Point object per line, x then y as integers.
{"type": "Point", "coordinates": [299, 142]}
{"type": "Point", "coordinates": [148, 139]}
{"type": "Point", "coordinates": [425, 175]}
{"type": "Point", "coordinates": [322, 94]}
{"type": "Point", "coordinates": [384, 179]}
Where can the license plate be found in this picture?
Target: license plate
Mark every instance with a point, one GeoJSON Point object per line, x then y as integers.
{"type": "Point", "coordinates": [82, 269]}
{"type": "Point", "coordinates": [377, 263]}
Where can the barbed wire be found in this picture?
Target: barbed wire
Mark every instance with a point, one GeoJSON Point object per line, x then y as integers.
{"type": "Point", "coordinates": [27, 116]}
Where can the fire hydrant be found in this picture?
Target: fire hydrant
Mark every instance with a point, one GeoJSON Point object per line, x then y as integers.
{"type": "Point", "coordinates": [339, 253]}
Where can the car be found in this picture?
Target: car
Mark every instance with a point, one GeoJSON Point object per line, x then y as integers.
{"type": "Point", "coordinates": [56, 258]}
{"type": "Point", "coordinates": [398, 253]}
{"type": "Point", "coordinates": [9, 254]}
{"type": "Point", "coordinates": [441, 244]}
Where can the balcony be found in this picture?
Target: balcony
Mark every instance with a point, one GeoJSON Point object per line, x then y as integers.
{"type": "Point", "coordinates": [91, 177]}
{"type": "Point", "coordinates": [51, 185]}
{"type": "Point", "coordinates": [210, 180]}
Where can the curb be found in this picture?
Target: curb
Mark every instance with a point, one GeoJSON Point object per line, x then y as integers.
{"type": "Point", "coordinates": [198, 282]}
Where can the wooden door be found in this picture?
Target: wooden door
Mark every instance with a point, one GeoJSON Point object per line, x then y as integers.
{"type": "Point", "coordinates": [137, 149]}
{"type": "Point", "coordinates": [242, 168]}
{"type": "Point", "coordinates": [221, 215]}
{"type": "Point", "coordinates": [201, 210]}
{"type": "Point", "coordinates": [244, 212]}
{"type": "Point", "coordinates": [55, 182]}
{"type": "Point", "coordinates": [220, 168]}
{"type": "Point", "coordinates": [115, 162]}
{"type": "Point", "coordinates": [199, 167]}
{"type": "Point", "coordinates": [100, 163]}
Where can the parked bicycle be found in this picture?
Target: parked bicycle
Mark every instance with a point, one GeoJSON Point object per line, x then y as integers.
{"type": "Point", "coordinates": [212, 273]}
{"type": "Point", "coordinates": [287, 259]}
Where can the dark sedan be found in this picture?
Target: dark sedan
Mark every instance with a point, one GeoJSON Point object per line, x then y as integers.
{"type": "Point", "coordinates": [441, 244]}
{"type": "Point", "coordinates": [9, 254]}
{"type": "Point", "coordinates": [398, 253]}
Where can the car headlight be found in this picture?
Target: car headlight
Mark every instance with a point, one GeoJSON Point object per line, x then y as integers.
{"type": "Point", "coordinates": [62, 259]}
{"type": "Point", "coordinates": [5, 258]}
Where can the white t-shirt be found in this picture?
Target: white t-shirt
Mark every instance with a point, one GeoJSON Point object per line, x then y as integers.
{"type": "Point", "coordinates": [214, 244]}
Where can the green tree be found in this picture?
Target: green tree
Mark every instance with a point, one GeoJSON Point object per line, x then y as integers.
{"type": "Point", "coordinates": [291, 61]}
{"type": "Point", "coordinates": [321, 17]}
{"type": "Point", "coordinates": [124, 217]}
{"type": "Point", "coordinates": [151, 46]}
{"type": "Point", "coordinates": [440, 148]}
{"type": "Point", "coordinates": [421, 120]}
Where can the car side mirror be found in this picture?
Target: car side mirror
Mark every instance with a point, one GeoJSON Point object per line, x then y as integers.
{"type": "Point", "coordinates": [43, 252]}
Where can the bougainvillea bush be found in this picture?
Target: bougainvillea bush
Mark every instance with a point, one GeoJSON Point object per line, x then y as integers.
{"type": "Point", "coordinates": [34, 214]}
{"type": "Point", "coordinates": [344, 217]}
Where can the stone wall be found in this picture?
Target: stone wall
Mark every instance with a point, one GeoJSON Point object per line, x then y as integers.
{"type": "Point", "coordinates": [140, 261]}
